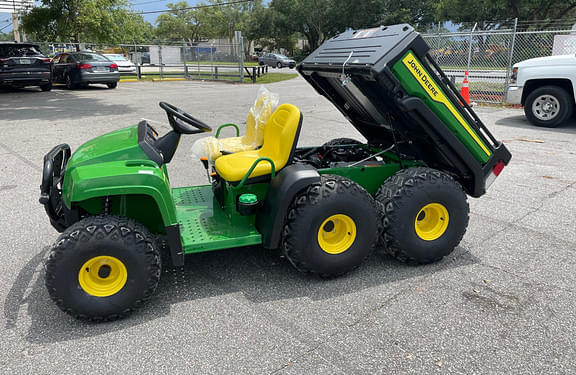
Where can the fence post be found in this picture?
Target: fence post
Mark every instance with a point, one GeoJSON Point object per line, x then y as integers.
{"type": "Point", "coordinates": [253, 74]}
{"type": "Point", "coordinates": [215, 72]}
{"type": "Point", "coordinates": [139, 72]}
{"type": "Point", "coordinates": [160, 61]}
{"type": "Point", "coordinates": [470, 47]}
{"type": "Point", "coordinates": [185, 58]}
{"type": "Point", "coordinates": [438, 45]}
{"type": "Point", "coordinates": [511, 56]}
{"type": "Point", "coordinates": [240, 53]}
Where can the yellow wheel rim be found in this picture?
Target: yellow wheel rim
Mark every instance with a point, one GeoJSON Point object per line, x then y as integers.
{"type": "Point", "coordinates": [102, 276]}
{"type": "Point", "coordinates": [337, 234]}
{"type": "Point", "coordinates": [431, 222]}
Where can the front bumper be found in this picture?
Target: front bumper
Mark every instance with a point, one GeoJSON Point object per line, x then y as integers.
{"type": "Point", "coordinates": [51, 188]}
{"type": "Point", "coordinates": [514, 94]}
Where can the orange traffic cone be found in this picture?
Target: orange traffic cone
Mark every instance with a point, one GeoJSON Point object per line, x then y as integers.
{"type": "Point", "coordinates": [465, 91]}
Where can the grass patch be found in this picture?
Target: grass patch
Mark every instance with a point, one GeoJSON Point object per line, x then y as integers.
{"type": "Point", "coordinates": [266, 78]}
{"type": "Point", "coordinates": [464, 67]}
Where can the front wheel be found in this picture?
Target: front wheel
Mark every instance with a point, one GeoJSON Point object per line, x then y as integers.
{"type": "Point", "coordinates": [424, 215]}
{"type": "Point", "coordinates": [112, 85]}
{"type": "Point", "coordinates": [102, 268]}
{"type": "Point", "coordinates": [331, 227]}
{"type": "Point", "coordinates": [69, 84]}
{"type": "Point", "coordinates": [548, 106]}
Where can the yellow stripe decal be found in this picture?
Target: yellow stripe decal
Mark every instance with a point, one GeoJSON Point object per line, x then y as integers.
{"type": "Point", "coordinates": [437, 95]}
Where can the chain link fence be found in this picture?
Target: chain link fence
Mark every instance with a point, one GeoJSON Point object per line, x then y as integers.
{"type": "Point", "coordinates": [164, 60]}
{"type": "Point", "coordinates": [490, 54]}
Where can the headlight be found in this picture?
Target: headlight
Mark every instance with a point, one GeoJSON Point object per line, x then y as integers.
{"type": "Point", "coordinates": [514, 75]}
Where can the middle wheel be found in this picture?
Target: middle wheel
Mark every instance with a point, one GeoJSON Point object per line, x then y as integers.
{"type": "Point", "coordinates": [331, 227]}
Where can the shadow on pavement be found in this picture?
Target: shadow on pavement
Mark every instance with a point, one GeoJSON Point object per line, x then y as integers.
{"type": "Point", "coordinates": [259, 275]}
{"type": "Point", "coordinates": [60, 103]}
{"type": "Point", "coordinates": [522, 122]}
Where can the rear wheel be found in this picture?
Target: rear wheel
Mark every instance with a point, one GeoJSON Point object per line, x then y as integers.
{"type": "Point", "coordinates": [46, 87]}
{"type": "Point", "coordinates": [279, 65]}
{"type": "Point", "coordinates": [424, 215]}
{"type": "Point", "coordinates": [102, 268]}
{"type": "Point", "coordinates": [548, 106]}
{"type": "Point", "coordinates": [112, 85]}
{"type": "Point", "coordinates": [331, 227]}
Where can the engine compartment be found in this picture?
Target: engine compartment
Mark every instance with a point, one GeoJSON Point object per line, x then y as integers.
{"type": "Point", "coordinates": [334, 153]}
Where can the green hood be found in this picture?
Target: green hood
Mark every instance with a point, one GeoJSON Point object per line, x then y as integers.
{"type": "Point", "coordinates": [118, 145]}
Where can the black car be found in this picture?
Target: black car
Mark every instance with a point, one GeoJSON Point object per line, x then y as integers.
{"type": "Point", "coordinates": [83, 68]}
{"type": "Point", "coordinates": [23, 64]}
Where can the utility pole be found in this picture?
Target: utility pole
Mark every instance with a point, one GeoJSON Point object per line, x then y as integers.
{"type": "Point", "coordinates": [15, 25]}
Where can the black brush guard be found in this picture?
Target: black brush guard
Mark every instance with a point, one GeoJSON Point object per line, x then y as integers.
{"type": "Point", "coordinates": [51, 188]}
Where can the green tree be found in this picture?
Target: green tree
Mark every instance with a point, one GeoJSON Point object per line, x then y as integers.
{"type": "Point", "coordinates": [9, 36]}
{"type": "Point", "coordinates": [181, 23]}
{"type": "Point", "coordinates": [541, 13]}
{"type": "Point", "coordinates": [106, 21]}
{"type": "Point", "coordinates": [318, 20]}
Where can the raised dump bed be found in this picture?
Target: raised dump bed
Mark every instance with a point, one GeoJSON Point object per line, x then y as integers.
{"type": "Point", "coordinates": [386, 83]}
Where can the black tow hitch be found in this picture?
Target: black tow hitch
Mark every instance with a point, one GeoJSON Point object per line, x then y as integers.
{"type": "Point", "coordinates": [51, 188]}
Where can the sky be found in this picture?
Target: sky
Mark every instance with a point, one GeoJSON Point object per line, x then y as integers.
{"type": "Point", "coordinates": [152, 5]}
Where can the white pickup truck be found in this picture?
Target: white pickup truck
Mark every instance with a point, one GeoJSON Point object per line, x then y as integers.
{"type": "Point", "coordinates": [545, 86]}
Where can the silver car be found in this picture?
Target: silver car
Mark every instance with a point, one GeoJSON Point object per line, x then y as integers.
{"type": "Point", "coordinates": [277, 60]}
{"type": "Point", "coordinates": [83, 68]}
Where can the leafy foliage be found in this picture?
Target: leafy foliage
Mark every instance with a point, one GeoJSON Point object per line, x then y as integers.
{"type": "Point", "coordinates": [7, 36]}
{"type": "Point", "coordinates": [88, 20]}
{"type": "Point", "coordinates": [487, 13]}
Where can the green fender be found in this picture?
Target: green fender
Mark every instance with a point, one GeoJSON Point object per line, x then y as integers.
{"type": "Point", "coordinates": [134, 178]}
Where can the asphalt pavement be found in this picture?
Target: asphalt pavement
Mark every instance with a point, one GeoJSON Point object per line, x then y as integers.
{"type": "Point", "coordinates": [501, 303]}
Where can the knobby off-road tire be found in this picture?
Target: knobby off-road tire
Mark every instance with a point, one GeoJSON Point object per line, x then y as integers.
{"type": "Point", "coordinates": [331, 227]}
{"type": "Point", "coordinates": [103, 267]}
{"type": "Point", "coordinates": [548, 106]}
{"type": "Point", "coordinates": [424, 215]}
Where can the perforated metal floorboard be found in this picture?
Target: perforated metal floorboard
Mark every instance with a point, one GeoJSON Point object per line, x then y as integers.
{"type": "Point", "coordinates": [204, 226]}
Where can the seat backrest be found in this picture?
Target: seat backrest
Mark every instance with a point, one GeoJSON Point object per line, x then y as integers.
{"type": "Point", "coordinates": [281, 133]}
{"type": "Point", "coordinates": [257, 118]}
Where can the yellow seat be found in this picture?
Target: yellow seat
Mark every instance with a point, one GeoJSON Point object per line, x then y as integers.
{"type": "Point", "coordinates": [280, 135]}
{"type": "Point", "coordinates": [213, 147]}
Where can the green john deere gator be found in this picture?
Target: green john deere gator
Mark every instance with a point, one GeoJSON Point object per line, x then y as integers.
{"type": "Point", "coordinates": [324, 207]}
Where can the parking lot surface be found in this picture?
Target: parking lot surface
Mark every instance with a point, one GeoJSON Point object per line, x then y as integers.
{"type": "Point", "coordinates": [503, 302]}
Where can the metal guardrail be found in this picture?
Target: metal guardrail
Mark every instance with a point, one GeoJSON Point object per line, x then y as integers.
{"type": "Point", "coordinates": [203, 72]}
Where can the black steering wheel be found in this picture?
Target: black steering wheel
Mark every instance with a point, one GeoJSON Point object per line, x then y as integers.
{"type": "Point", "coordinates": [181, 121]}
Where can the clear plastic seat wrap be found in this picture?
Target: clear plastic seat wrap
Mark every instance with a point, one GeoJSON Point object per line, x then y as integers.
{"type": "Point", "coordinates": [214, 147]}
